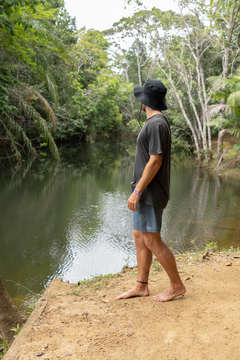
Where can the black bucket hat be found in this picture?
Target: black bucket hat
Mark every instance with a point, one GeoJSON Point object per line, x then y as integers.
{"type": "Point", "coordinates": [152, 94]}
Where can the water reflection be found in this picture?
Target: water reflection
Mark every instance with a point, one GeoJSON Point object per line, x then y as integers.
{"type": "Point", "coordinates": [203, 207]}
{"type": "Point", "coordinates": [71, 220]}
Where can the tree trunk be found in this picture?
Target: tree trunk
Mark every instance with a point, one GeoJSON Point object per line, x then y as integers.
{"type": "Point", "coordinates": [139, 71]}
{"type": "Point", "coordinates": [169, 76]}
{"type": "Point", "coordinates": [210, 143]}
{"type": "Point", "coordinates": [220, 144]}
{"type": "Point", "coordinates": [10, 316]}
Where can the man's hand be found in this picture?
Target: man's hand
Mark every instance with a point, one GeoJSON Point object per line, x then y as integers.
{"type": "Point", "coordinates": [132, 201]}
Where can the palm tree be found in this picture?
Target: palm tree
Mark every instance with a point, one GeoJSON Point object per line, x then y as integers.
{"type": "Point", "coordinates": [13, 133]}
{"type": "Point", "coordinates": [227, 89]}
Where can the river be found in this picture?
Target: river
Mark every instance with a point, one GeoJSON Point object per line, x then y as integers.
{"type": "Point", "coordinates": [71, 219]}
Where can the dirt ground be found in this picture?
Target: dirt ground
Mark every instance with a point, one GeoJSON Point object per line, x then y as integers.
{"type": "Point", "coordinates": [87, 322]}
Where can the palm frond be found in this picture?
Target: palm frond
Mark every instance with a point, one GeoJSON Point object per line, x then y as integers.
{"type": "Point", "coordinates": [234, 99]}
{"type": "Point", "coordinates": [51, 86]}
{"type": "Point", "coordinates": [218, 82]}
{"type": "Point", "coordinates": [46, 104]}
{"type": "Point", "coordinates": [21, 134]}
{"type": "Point", "coordinates": [11, 138]}
{"type": "Point", "coordinates": [219, 123]}
{"type": "Point", "coordinates": [234, 132]}
{"type": "Point", "coordinates": [42, 126]}
{"type": "Point", "coordinates": [214, 110]}
{"type": "Point", "coordinates": [236, 146]}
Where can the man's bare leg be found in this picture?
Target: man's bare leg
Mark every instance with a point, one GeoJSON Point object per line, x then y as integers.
{"type": "Point", "coordinates": [144, 260]}
{"type": "Point", "coordinates": [166, 258]}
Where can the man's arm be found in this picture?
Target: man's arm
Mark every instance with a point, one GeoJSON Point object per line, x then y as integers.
{"type": "Point", "coordinates": [148, 174]}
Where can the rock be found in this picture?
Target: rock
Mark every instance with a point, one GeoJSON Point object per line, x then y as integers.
{"type": "Point", "coordinates": [40, 353]}
{"type": "Point", "coordinates": [205, 254]}
{"type": "Point", "coordinates": [67, 353]}
{"type": "Point", "coordinates": [130, 334]}
{"type": "Point", "coordinates": [125, 267]}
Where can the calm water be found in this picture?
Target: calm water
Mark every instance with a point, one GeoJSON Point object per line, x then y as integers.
{"type": "Point", "coordinates": [72, 221]}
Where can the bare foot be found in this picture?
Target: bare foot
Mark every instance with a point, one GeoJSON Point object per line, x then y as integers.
{"type": "Point", "coordinates": [170, 293]}
{"type": "Point", "coordinates": [137, 290]}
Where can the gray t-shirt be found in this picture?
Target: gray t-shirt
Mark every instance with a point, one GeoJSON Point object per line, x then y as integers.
{"type": "Point", "coordinates": [154, 138]}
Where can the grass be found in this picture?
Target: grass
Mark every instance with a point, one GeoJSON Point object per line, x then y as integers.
{"type": "Point", "coordinates": [97, 281]}
{"type": "Point", "coordinates": [156, 266]}
{"type": "Point", "coordinates": [101, 280]}
{"type": "Point", "coordinates": [3, 348]}
{"type": "Point", "coordinates": [209, 250]}
{"type": "Point", "coordinates": [16, 329]}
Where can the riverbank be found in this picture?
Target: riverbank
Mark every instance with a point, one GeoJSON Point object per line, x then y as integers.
{"type": "Point", "coordinates": [230, 164]}
{"type": "Point", "coordinates": [87, 322]}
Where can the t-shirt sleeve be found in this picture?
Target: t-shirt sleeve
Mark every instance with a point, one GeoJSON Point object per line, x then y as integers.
{"type": "Point", "coordinates": [157, 140]}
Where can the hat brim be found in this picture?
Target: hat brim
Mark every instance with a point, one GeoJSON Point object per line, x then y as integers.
{"type": "Point", "coordinates": [154, 104]}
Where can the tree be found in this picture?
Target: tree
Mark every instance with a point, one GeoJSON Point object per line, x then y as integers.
{"type": "Point", "coordinates": [227, 89]}
{"type": "Point", "coordinates": [178, 45]}
{"type": "Point", "coordinates": [23, 63]}
{"type": "Point", "coordinates": [93, 90]}
{"type": "Point", "coordinates": [134, 64]}
{"type": "Point", "coordinates": [225, 16]}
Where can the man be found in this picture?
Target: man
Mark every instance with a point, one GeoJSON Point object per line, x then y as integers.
{"type": "Point", "coordinates": [150, 192]}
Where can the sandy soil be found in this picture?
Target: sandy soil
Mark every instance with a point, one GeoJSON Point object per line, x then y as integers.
{"type": "Point", "coordinates": [87, 322]}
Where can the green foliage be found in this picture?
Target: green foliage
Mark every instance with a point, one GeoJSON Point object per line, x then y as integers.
{"type": "Point", "coordinates": [97, 279]}
{"type": "Point", "coordinates": [180, 148]}
{"type": "Point", "coordinates": [227, 89]}
{"type": "Point", "coordinates": [57, 83]}
{"type": "Point", "coordinates": [213, 245]}
{"type": "Point", "coordinates": [16, 329]}
{"type": "Point", "coordinates": [134, 126]}
{"type": "Point", "coordinates": [91, 55]}
{"type": "Point", "coordinates": [236, 146]}
{"type": "Point", "coordinates": [8, 8]}
{"type": "Point", "coordinates": [104, 113]}
{"type": "Point", "coordinates": [157, 266]}
{"type": "Point", "coordinates": [3, 348]}
{"type": "Point", "coordinates": [53, 80]}
{"type": "Point", "coordinates": [22, 106]}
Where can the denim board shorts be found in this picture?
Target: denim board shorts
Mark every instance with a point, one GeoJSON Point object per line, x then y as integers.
{"type": "Point", "coordinates": [147, 218]}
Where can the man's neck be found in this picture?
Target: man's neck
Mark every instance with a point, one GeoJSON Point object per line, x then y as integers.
{"type": "Point", "coordinates": [150, 112]}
